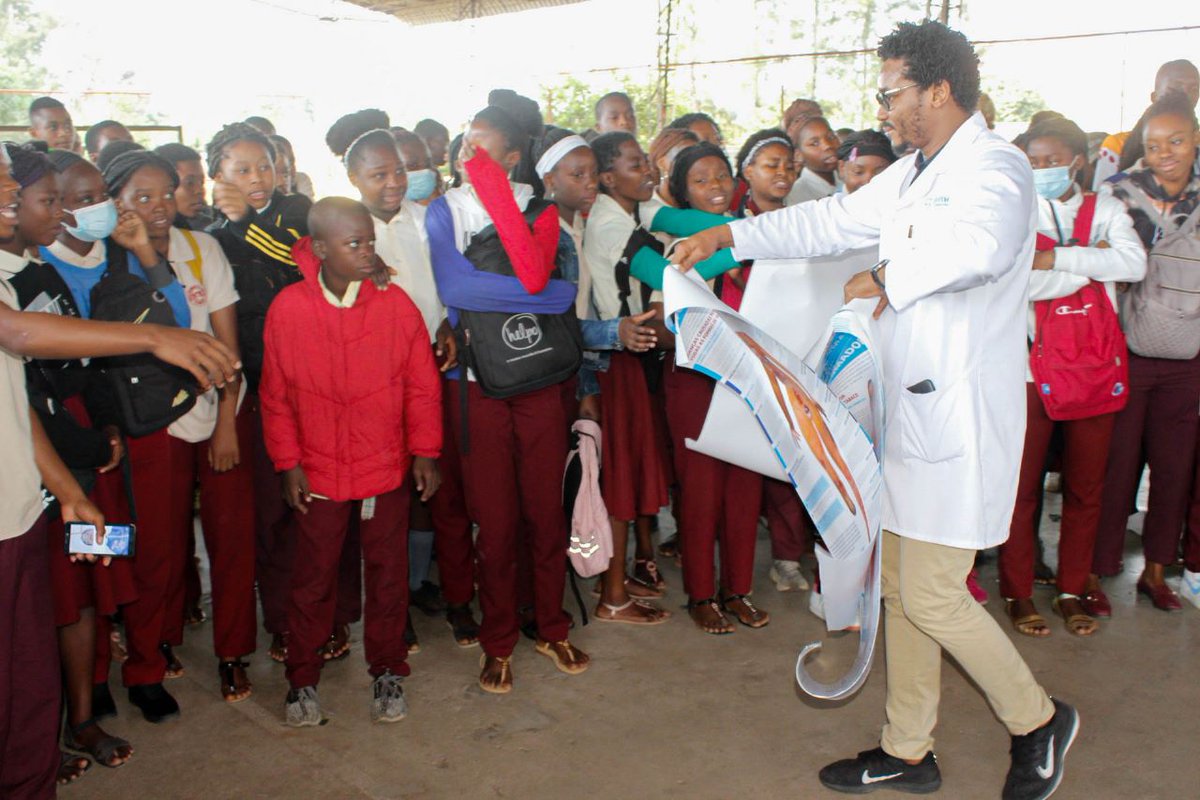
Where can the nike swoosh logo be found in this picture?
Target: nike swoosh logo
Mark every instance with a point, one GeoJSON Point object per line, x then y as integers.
{"type": "Point", "coordinates": [1044, 772]}
{"type": "Point", "coordinates": [868, 779]}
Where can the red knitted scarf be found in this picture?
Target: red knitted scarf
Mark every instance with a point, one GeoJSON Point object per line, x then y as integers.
{"type": "Point", "coordinates": [531, 253]}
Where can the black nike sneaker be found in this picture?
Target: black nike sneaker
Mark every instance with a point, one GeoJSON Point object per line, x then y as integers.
{"type": "Point", "coordinates": [875, 769]}
{"type": "Point", "coordinates": [1037, 757]}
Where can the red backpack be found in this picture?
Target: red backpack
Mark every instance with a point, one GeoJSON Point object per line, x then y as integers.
{"type": "Point", "coordinates": [1079, 360]}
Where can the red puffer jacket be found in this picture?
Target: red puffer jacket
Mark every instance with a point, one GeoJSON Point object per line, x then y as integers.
{"type": "Point", "coordinates": [349, 394]}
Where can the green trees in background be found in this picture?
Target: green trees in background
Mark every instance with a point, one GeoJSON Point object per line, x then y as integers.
{"type": "Point", "coordinates": [22, 34]}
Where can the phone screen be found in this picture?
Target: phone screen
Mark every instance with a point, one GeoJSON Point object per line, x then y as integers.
{"type": "Point", "coordinates": [118, 542]}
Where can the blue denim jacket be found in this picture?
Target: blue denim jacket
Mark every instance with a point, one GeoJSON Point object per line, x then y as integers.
{"type": "Point", "coordinates": [598, 335]}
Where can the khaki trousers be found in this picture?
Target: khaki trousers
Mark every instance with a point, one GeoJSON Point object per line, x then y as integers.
{"type": "Point", "coordinates": [927, 609]}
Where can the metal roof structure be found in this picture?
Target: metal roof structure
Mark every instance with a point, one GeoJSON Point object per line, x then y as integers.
{"type": "Point", "coordinates": [428, 12]}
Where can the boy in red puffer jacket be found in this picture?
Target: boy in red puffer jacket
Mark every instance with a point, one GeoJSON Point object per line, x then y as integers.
{"type": "Point", "coordinates": [351, 400]}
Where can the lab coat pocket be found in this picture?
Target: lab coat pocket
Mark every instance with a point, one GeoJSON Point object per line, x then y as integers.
{"type": "Point", "coordinates": [931, 423]}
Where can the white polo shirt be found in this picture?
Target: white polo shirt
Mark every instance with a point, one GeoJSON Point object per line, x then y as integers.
{"type": "Point", "coordinates": [210, 290]}
{"type": "Point", "coordinates": [403, 245]}
{"type": "Point", "coordinates": [20, 488]}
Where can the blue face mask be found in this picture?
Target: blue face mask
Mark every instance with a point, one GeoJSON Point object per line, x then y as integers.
{"type": "Point", "coordinates": [421, 183]}
{"type": "Point", "coordinates": [94, 222]}
{"type": "Point", "coordinates": [1052, 182]}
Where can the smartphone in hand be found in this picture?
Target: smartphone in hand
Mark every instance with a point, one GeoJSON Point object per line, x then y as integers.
{"type": "Point", "coordinates": [119, 541]}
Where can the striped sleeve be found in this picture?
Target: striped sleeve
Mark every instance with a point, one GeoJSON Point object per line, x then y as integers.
{"type": "Point", "coordinates": [275, 233]}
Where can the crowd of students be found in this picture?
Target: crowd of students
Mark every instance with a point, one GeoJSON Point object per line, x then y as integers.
{"type": "Point", "coordinates": [381, 423]}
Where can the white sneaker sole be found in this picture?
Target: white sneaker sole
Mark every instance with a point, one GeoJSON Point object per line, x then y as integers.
{"type": "Point", "coordinates": [1062, 760]}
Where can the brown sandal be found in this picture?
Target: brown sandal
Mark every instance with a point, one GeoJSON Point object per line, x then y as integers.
{"type": "Point", "coordinates": [744, 610]}
{"type": "Point", "coordinates": [496, 675]}
{"type": "Point", "coordinates": [633, 587]}
{"type": "Point", "coordinates": [1078, 623]}
{"type": "Point", "coordinates": [632, 612]}
{"type": "Point", "coordinates": [566, 657]}
{"type": "Point", "coordinates": [1028, 624]}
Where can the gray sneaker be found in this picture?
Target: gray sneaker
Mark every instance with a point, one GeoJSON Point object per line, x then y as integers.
{"type": "Point", "coordinates": [303, 708]}
{"type": "Point", "coordinates": [388, 704]}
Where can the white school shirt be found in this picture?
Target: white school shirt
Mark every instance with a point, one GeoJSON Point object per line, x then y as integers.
{"type": "Point", "coordinates": [403, 245]}
{"type": "Point", "coordinates": [93, 258]}
{"type": "Point", "coordinates": [607, 232]}
{"type": "Point", "coordinates": [211, 293]}
{"type": "Point", "coordinates": [1123, 261]}
{"type": "Point", "coordinates": [810, 186]}
{"type": "Point", "coordinates": [20, 488]}
{"type": "Point", "coordinates": [583, 288]}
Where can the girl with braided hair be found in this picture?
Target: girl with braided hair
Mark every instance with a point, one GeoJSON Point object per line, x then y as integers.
{"type": "Point", "coordinates": [256, 226]}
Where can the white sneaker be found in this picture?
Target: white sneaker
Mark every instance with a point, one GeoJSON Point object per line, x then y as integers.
{"type": "Point", "coordinates": [1189, 587]}
{"type": "Point", "coordinates": [388, 703]}
{"type": "Point", "coordinates": [302, 707]}
{"type": "Point", "coordinates": [787, 576]}
{"type": "Point", "coordinates": [816, 604]}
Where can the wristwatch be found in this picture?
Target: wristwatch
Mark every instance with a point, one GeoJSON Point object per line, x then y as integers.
{"type": "Point", "coordinates": [875, 275]}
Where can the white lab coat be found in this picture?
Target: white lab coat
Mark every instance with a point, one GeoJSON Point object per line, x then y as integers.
{"type": "Point", "coordinates": [959, 239]}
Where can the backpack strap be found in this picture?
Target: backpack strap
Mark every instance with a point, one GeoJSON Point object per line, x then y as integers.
{"type": "Point", "coordinates": [1081, 235]}
{"type": "Point", "coordinates": [196, 262]}
{"type": "Point", "coordinates": [1143, 201]}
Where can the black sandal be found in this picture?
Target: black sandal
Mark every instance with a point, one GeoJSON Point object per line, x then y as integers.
{"type": "Point", "coordinates": [231, 687]}
{"type": "Point", "coordinates": [102, 752]}
{"type": "Point", "coordinates": [174, 665]}
{"type": "Point", "coordinates": [334, 650]}
{"type": "Point", "coordinates": [722, 619]}
{"type": "Point", "coordinates": [462, 623]}
{"type": "Point", "coordinates": [69, 770]}
{"type": "Point", "coordinates": [756, 618]}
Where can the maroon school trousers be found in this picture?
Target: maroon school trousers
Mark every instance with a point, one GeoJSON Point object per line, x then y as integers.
{"type": "Point", "coordinates": [453, 542]}
{"type": "Point", "coordinates": [158, 563]}
{"type": "Point", "coordinates": [320, 536]}
{"type": "Point", "coordinates": [227, 520]}
{"type": "Point", "coordinates": [1191, 542]}
{"type": "Point", "coordinates": [1085, 455]}
{"type": "Point", "coordinates": [30, 691]}
{"type": "Point", "coordinates": [718, 501]}
{"type": "Point", "coordinates": [512, 475]}
{"type": "Point", "coordinates": [1160, 421]}
{"type": "Point", "coordinates": [275, 539]}
{"type": "Point", "coordinates": [787, 520]}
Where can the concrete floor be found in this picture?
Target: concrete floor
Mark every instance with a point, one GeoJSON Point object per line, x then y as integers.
{"type": "Point", "coordinates": [667, 712]}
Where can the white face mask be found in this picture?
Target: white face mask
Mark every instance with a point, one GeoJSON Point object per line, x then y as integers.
{"type": "Point", "coordinates": [421, 183]}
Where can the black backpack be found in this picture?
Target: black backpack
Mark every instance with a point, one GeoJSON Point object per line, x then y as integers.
{"type": "Point", "coordinates": [651, 360]}
{"type": "Point", "coordinates": [512, 354]}
{"type": "Point", "coordinates": [150, 394]}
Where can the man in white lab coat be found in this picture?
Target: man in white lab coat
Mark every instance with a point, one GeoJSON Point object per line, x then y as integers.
{"type": "Point", "coordinates": [955, 224]}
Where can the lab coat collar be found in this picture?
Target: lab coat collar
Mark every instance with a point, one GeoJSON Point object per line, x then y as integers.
{"type": "Point", "coordinates": [967, 134]}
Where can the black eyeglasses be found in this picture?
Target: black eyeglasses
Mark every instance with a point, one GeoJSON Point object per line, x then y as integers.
{"type": "Point", "coordinates": [884, 97]}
